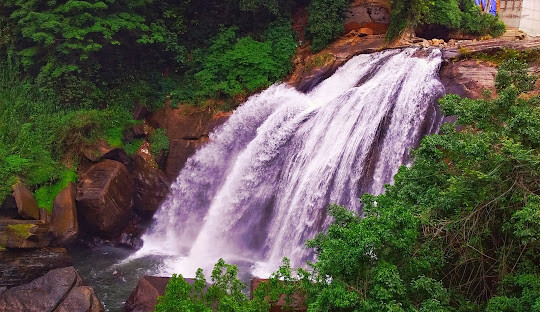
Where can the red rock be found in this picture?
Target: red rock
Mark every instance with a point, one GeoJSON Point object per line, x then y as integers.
{"type": "Point", "coordinates": [366, 31]}
{"type": "Point", "coordinates": [187, 128]}
{"type": "Point", "coordinates": [64, 224]}
{"type": "Point", "coordinates": [104, 198]}
{"type": "Point", "coordinates": [26, 204]}
{"type": "Point", "coordinates": [144, 296]}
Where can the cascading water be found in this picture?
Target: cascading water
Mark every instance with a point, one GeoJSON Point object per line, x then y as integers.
{"type": "Point", "coordinates": [259, 188]}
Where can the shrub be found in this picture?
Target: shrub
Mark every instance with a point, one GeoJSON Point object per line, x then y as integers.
{"type": "Point", "coordinates": [325, 23]}
{"type": "Point", "coordinates": [159, 141]}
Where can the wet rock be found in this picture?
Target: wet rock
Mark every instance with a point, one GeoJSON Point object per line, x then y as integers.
{"type": "Point", "coordinates": [64, 223]}
{"type": "Point", "coordinates": [151, 186]}
{"type": "Point", "coordinates": [58, 290]}
{"type": "Point", "coordinates": [104, 198]}
{"type": "Point", "coordinates": [22, 266]}
{"type": "Point", "coordinates": [26, 204]}
{"type": "Point", "coordinates": [187, 128]}
{"type": "Point", "coordinates": [144, 296]}
{"type": "Point", "coordinates": [312, 69]}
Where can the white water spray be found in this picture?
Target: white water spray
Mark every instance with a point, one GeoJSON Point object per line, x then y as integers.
{"type": "Point", "coordinates": [260, 187]}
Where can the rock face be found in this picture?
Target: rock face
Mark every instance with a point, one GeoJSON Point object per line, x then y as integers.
{"type": "Point", "coordinates": [22, 266]}
{"type": "Point", "coordinates": [372, 14]}
{"type": "Point", "coordinates": [151, 186]}
{"type": "Point", "coordinates": [104, 198]}
{"type": "Point", "coordinates": [144, 297]}
{"type": "Point", "coordinates": [59, 290]}
{"type": "Point", "coordinates": [64, 223]}
{"type": "Point", "coordinates": [187, 128]}
{"type": "Point", "coordinates": [26, 204]}
{"type": "Point", "coordinates": [468, 78]}
{"type": "Point", "coordinates": [312, 69]}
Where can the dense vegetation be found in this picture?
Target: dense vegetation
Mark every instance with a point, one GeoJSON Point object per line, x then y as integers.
{"type": "Point", "coordinates": [459, 16]}
{"type": "Point", "coordinates": [458, 231]}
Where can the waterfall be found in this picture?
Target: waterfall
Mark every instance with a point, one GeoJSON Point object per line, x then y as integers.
{"type": "Point", "coordinates": [260, 187]}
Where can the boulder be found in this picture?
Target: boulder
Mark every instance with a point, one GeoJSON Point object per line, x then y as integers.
{"type": "Point", "coordinates": [151, 186]}
{"type": "Point", "coordinates": [22, 266]}
{"type": "Point", "coordinates": [144, 296]}
{"type": "Point", "coordinates": [96, 151]}
{"type": "Point", "coordinates": [104, 198]}
{"type": "Point", "coordinates": [64, 223]}
{"type": "Point", "coordinates": [59, 290]}
{"type": "Point", "coordinates": [24, 234]}
{"type": "Point", "coordinates": [103, 150]}
{"type": "Point", "coordinates": [187, 128]}
{"type": "Point", "coordinates": [26, 204]}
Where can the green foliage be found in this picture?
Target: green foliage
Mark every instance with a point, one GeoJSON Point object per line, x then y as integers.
{"type": "Point", "coordinates": [458, 231]}
{"type": "Point", "coordinates": [225, 293]}
{"type": "Point", "coordinates": [159, 141]}
{"type": "Point", "coordinates": [513, 73]}
{"type": "Point", "coordinates": [38, 139]}
{"type": "Point", "coordinates": [445, 13]}
{"type": "Point", "coordinates": [326, 19]}
{"type": "Point", "coordinates": [46, 194]}
{"type": "Point", "coordinates": [455, 15]}
{"type": "Point", "coordinates": [241, 66]}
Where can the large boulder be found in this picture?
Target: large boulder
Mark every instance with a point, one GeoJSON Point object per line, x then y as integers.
{"type": "Point", "coordinates": [59, 290]}
{"type": "Point", "coordinates": [26, 204]}
{"type": "Point", "coordinates": [187, 128]}
{"type": "Point", "coordinates": [64, 223]}
{"type": "Point", "coordinates": [104, 198]}
{"type": "Point", "coordinates": [22, 266]}
{"type": "Point", "coordinates": [144, 296]}
{"type": "Point", "coordinates": [151, 186]}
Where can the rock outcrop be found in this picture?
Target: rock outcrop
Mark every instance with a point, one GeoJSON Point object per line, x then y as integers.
{"type": "Point", "coordinates": [187, 128]}
{"type": "Point", "coordinates": [468, 78]}
{"type": "Point", "coordinates": [104, 198]}
{"type": "Point", "coordinates": [371, 14]}
{"type": "Point", "coordinates": [144, 296]}
{"type": "Point", "coordinates": [64, 223]}
{"type": "Point", "coordinates": [310, 70]}
{"type": "Point", "coordinates": [59, 290]}
{"type": "Point", "coordinates": [22, 266]}
{"type": "Point", "coordinates": [151, 186]}
{"type": "Point", "coordinates": [26, 204]}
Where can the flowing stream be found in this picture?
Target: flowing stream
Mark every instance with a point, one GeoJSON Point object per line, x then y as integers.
{"type": "Point", "coordinates": [260, 187]}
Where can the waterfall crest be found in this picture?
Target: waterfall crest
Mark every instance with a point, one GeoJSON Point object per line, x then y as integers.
{"type": "Point", "coordinates": [259, 188]}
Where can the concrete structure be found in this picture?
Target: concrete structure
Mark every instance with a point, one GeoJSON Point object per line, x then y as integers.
{"type": "Point", "coordinates": [530, 17]}
{"type": "Point", "coordinates": [521, 14]}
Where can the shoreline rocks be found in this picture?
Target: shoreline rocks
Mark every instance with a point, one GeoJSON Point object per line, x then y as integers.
{"type": "Point", "coordinates": [59, 290]}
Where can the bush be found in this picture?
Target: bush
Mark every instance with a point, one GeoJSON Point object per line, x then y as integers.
{"type": "Point", "coordinates": [159, 141]}
{"type": "Point", "coordinates": [225, 293]}
{"type": "Point", "coordinates": [325, 24]}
